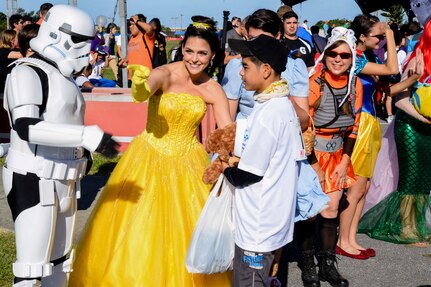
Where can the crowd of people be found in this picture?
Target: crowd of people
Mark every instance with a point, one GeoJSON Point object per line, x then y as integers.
{"type": "Point", "coordinates": [310, 101]}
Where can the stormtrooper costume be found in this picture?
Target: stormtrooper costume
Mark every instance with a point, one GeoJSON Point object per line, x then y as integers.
{"type": "Point", "coordinates": [47, 154]}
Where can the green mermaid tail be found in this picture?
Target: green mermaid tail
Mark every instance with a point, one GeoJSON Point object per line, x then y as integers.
{"type": "Point", "coordinates": [404, 216]}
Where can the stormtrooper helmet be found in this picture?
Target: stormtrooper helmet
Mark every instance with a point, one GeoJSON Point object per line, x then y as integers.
{"type": "Point", "coordinates": [65, 38]}
{"type": "Point", "coordinates": [422, 10]}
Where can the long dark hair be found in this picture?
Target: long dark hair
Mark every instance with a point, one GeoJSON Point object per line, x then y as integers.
{"type": "Point", "coordinates": [362, 25]}
{"type": "Point", "coordinates": [25, 35]}
{"type": "Point", "coordinates": [206, 31]}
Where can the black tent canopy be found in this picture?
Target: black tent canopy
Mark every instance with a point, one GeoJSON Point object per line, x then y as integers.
{"type": "Point", "coordinates": [369, 6]}
{"type": "Point", "coordinates": [366, 6]}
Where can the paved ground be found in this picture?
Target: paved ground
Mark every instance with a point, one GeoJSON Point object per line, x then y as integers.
{"type": "Point", "coordinates": [395, 265]}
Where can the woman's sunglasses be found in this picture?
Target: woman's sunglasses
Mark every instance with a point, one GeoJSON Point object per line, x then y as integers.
{"type": "Point", "coordinates": [380, 37]}
{"type": "Point", "coordinates": [333, 54]}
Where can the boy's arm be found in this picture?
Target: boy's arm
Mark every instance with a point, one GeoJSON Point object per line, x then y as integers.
{"type": "Point", "coordinates": [239, 177]}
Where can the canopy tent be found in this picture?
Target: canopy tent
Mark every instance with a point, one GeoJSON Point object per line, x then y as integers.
{"type": "Point", "coordinates": [367, 6]}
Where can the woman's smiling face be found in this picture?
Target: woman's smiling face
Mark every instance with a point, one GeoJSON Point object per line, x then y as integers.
{"type": "Point", "coordinates": [197, 55]}
{"type": "Point", "coordinates": [339, 59]}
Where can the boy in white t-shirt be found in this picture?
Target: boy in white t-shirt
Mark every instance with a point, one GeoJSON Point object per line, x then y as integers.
{"type": "Point", "coordinates": [266, 177]}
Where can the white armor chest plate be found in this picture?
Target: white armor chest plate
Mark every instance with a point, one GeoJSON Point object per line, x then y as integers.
{"type": "Point", "coordinates": [65, 102]}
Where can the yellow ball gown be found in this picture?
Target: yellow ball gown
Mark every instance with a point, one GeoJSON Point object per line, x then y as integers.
{"type": "Point", "coordinates": [141, 226]}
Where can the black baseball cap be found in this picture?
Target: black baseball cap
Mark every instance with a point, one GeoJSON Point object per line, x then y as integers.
{"type": "Point", "coordinates": [267, 49]}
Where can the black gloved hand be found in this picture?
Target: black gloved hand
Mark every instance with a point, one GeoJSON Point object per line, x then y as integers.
{"type": "Point", "coordinates": [89, 157]}
{"type": "Point", "coordinates": [107, 146]}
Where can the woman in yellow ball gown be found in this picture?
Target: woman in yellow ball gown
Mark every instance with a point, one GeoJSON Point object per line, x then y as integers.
{"type": "Point", "coordinates": [140, 229]}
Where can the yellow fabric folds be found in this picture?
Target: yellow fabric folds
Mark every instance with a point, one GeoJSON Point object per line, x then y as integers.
{"type": "Point", "coordinates": [367, 146]}
{"type": "Point", "coordinates": [141, 227]}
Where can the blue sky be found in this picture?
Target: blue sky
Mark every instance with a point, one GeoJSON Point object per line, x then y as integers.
{"type": "Point", "coordinates": [168, 10]}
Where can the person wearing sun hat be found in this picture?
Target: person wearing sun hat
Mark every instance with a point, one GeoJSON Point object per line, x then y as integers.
{"type": "Point", "coordinates": [369, 31]}
{"type": "Point", "coordinates": [335, 101]}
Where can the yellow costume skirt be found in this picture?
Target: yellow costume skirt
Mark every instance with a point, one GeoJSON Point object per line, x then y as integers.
{"type": "Point", "coordinates": [328, 161]}
{"type": "Point", "coordinates": [140, 229]}
{"type": "Point", "coordinates": [367, 146]}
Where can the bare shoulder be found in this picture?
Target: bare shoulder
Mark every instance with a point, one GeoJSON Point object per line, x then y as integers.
{"type": "Point", "coordinates": [213, 92]}
{"type": "Point", "coordinates": [161, 74]}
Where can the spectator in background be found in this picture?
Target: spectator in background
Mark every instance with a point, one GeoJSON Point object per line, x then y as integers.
{"type": "Point", "coordinates": [401, 55]}
{"type": "Point", "coordinates": [413, 35]}
{"type": "Point", "coordinates": [7, 54]}
{"type": "Point", "coordinates": [26, 20]}
{"type": "Point", "coordinates": [42, 12]}
{"type": "Point", "coordinates": [297, 47]}
{"type": "Point", "coordinates": [305, 25]}
{"type": "Point", "coordinates": [234, 33]}
{"type": "Point", "coordinates": [111, 38]}
{"type": "Point", "coordinates": [98, 40]}
{"type": "Point", "coordinates": [83, 81]}
{"type": "Point", "coordinates": [236, 22]}
{"type": "Point", "coordinates": [140, 44]}
{"type": "Point", "coordinates": [326, 27]}
{"type": "Point", "coordinates": [99, 64]}
{"type": "Point", "coordinates": [16, 22]}
{"type": "Point", "coordinates": [27, 33]}
{"type": "Point", "coordinates": [159, 54]}
{"type": "Point", "coordinates": [301, 32]}
{"type": "Point", "coordinates": [318, 41]}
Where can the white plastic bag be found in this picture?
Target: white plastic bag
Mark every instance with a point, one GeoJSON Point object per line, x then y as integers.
{"type": "Point", "coordinates": [212, 246]}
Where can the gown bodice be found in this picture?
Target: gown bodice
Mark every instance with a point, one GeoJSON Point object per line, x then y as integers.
{"type": "Point", "coordinates": [172, 122]}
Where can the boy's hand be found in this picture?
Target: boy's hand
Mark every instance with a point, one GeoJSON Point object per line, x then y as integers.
{"type": "Point", "coordinates": [224, 165]}
{"type": "Point", "coordinates": [233, 161]}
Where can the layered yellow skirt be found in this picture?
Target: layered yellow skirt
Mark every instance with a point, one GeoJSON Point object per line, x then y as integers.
{"type": "Point", "coordinates": [141, 227]}
{"type": "Point", "coordinates": [367, 146]}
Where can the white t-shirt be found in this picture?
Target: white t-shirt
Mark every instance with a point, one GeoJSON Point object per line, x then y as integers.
{"type": "Point", "coordinates": [96, 73]}
{"type": "Point", "coordinates": [80, 80]}
{"type": "Point", "coordinates": [402, 56]}
{"type": "Point", "coordinates": [265, 211]}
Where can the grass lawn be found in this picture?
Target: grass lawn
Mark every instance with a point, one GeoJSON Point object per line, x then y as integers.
{"type": "Point", "coordinates": [7, 256]}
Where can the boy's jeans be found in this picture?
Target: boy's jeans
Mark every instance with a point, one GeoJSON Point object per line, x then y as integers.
{"type": "Point", "coordinates": [251, 269]}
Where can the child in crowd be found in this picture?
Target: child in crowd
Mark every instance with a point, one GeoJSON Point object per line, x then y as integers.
{"type": "Point", "coordinates": [99, 63]}
{"type": "Point", "coordinates": [267, 174]}
{"type": "Point", "coordinates": [82, 80]}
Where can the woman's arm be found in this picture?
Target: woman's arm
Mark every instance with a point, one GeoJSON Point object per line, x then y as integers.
{"type": "Point", "coordinates": [412, 73]}
{"type": "Point", "coordinates": [233, 108]}
{"type": "Point", "coordinates": [404, 104]}
{"type": "Point", "coordinates": [145, 82]}
{"type": "Point", "coordinates": [221, 108]}
{"type": "Point", "coordinates": [391, 65]}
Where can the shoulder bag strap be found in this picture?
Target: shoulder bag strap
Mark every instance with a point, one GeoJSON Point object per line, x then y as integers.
{"type": "Point", "coordinates": [148, 49]}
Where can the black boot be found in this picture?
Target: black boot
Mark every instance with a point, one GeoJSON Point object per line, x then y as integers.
{"type": "Point", "coordinates": [308, 267]}
{"type": "Point", "coordinates": [328, 271]}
